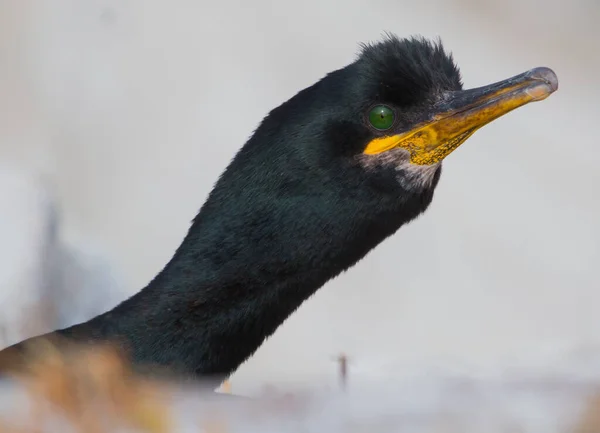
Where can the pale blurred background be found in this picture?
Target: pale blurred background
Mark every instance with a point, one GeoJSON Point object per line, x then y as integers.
{"type": "Point", "coordinates": [112, 135]}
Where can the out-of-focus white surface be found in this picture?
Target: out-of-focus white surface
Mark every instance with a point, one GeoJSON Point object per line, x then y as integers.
{"type": "Point", "coordinates": [26, 237]}
{"type": "Point", "coordinates": [84, 283]}
{"type": "Point", "coordinates": [45, 283]}
{"type": "Point", "coordinates": [558, 395]}
{"type": "Point", "coordinates": [121, 104]}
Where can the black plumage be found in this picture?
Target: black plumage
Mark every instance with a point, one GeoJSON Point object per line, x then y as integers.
{"type": "Point", "coordinates": [299, 204]}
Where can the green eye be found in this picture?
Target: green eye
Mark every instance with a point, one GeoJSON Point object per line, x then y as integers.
{"type": "Point", "coordinates": [381, 117]}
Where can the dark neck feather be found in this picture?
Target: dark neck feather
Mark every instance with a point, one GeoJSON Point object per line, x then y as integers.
{"type": "Point", "coordinates": [246, 264]}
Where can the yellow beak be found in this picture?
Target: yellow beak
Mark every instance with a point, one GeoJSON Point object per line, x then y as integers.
{"type": "Point", "coordinates": [459, 114]}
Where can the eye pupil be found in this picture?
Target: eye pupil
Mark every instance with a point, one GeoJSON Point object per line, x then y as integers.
{"type": "Point", "coordinates": [381, 117]}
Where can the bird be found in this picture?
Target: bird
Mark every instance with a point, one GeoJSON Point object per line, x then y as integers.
{"type": "Point", "coordinates": [324, 178]}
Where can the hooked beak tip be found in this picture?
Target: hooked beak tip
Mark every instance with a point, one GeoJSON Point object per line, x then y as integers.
{"type": "Point", "coordinates": [546, 75]}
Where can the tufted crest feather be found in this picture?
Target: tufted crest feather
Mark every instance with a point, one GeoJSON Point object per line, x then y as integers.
{"type": "Point", "coordinates": [409, 69]}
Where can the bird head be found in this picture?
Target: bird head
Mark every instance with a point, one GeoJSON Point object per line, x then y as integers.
{"type": "Point", "coordinates": [355, 155]}
{"type": "Point", "coordinates": [415, 111]}
{"type": "Point", "coordinates": [392, 116]}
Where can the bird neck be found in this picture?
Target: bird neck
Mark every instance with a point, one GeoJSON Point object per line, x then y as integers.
{"type": "Point", "coordinates": [201, 317]}
{"type": "Point", "coordinates": [227, 289]}
{"type": "Point", "coordinates": [251, 257]}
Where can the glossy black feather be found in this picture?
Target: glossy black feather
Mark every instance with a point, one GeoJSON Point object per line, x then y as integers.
{"type": "Point", "coordinates": [291, 211]}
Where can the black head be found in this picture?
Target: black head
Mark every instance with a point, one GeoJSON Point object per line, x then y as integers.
{"type": "Point", "coordinates": [345, 162]}
{"type": "Point", "coordinates": [327, 127]}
